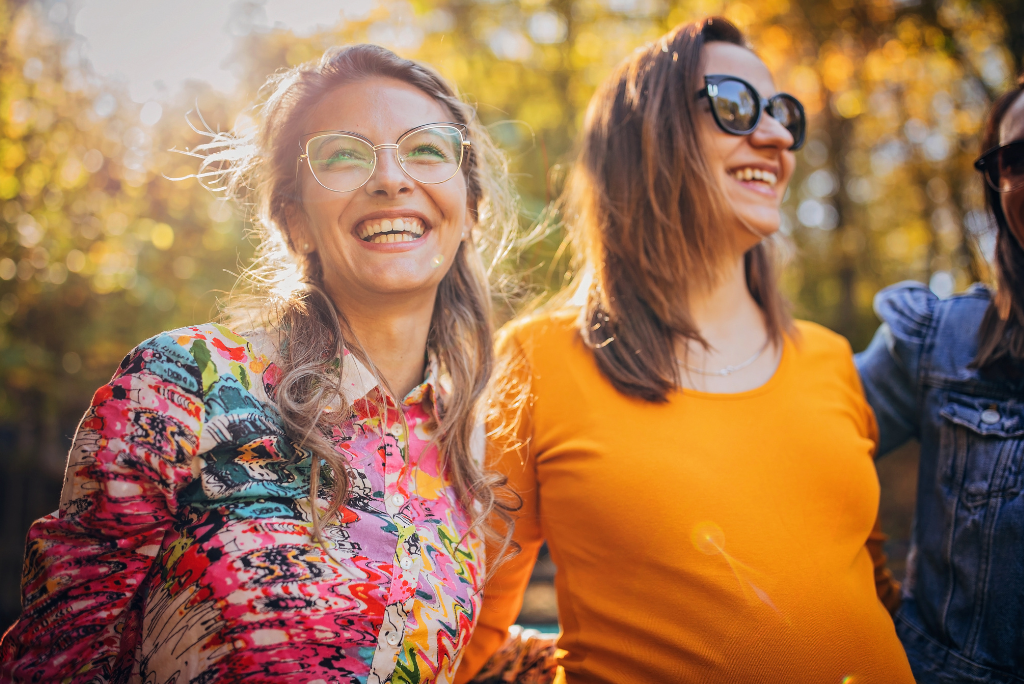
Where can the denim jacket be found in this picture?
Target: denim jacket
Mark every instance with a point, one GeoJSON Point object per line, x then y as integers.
{"type": "Point", "coordinates": [962, 618]}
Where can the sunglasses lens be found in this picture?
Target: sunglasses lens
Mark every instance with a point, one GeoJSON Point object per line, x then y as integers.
{"type": "Point", "coordinates": [340, 162]}
{"type": "Point", "coordinates": [1006, 171]}
{"type": "Point", "coordinates": [735, 106]}
{"type": "Point", "coordinates": [431, 155]}
{"type": "Point", "coordinates": [788, 112]}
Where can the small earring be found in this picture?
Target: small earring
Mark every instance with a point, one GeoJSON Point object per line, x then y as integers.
{"type": "Point", "coordinates": [305, 247]}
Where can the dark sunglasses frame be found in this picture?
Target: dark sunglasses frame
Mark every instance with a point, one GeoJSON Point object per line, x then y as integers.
{"type": "Point", "coordinates": [710, 91]}
{"type": "Point", "coordinates": [987, 164]}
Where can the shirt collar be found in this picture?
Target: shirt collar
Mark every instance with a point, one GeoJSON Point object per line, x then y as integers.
{"type": "Point", "coordinates": [357, 382]}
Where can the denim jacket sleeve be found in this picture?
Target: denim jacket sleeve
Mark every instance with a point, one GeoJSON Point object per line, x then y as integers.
{"type": "Point", "coordinates": [891, 365]}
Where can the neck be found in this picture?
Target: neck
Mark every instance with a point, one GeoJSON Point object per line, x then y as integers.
{"type": "Point", "coordinates": [727, 311]}
{"type": "Point", "coordinates": [393, 332]}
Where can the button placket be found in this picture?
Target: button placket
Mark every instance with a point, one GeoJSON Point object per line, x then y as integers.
{"type": "Point", "coordinates": [389, 642]}
{"type": "Point", "coordinates": [396, 471]}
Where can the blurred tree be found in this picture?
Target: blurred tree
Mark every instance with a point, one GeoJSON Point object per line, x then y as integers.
{"type": "Point", "coordinates": [97, 252]}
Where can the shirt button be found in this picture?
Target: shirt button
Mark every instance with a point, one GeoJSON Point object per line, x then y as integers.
{"type": "Point", "coordinates": [406, 563]}
{"type": "Point", "coordinates": [398, 499]}
{"type": "Point", "coordinates": [394, 638]}
{"type": "Point", "coordinates": [990, 416]}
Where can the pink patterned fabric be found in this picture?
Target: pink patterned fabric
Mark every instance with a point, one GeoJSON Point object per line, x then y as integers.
{"type": "Point", "coordinates": [182, 549]}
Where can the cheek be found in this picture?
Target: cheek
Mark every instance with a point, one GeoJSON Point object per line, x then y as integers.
{"type": "Point", "coordinates": [323, 208]}
{"type": "Point", "coordinates": [1013, 210]}
{"type": "Point", "coordinates": [452, 203]}
{"type": "Point", "coordinates": [719, 146]}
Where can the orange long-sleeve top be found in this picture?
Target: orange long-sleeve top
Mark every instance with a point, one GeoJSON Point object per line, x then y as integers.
{"type": "Point", "coordinates": [710, 538]}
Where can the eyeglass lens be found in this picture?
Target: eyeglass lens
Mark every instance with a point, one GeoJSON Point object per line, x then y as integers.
{"type": "Point", "coordinates": [787, 112]}
{"type": "Point", "coordinates": [736, 105]}
{"type": "Point", "coordinates": [1006, 170]}
{"type": "Point", "coordinates": [343, 162]}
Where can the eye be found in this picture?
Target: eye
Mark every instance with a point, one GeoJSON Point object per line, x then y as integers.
{"type": "Point", "coordinates": [344, 155]}
{"type": "Point", "coordinates": [427, 151]}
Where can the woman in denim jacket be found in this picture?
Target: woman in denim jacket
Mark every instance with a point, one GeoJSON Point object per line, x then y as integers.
{"type": "Point", "coordinates": [951, 373]}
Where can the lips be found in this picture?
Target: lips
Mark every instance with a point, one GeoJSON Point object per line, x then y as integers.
{"type": "Point", "coordinates": [400, 229]}
{"type": "Point", "coordinates": [751, 173]}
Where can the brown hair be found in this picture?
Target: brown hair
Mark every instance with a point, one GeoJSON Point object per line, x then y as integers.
{"type": "Point", "coordinates": [1001, 334]}
{"type": "Point", "coordinates": [259, 171]}
{"type": "Point", "coordinates": [645, 215]}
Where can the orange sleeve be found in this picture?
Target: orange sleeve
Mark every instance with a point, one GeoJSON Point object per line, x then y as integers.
{"type": "Point", "coordinates": [886, 586]}
{"type": "Point", "coordinates": [509, 453]}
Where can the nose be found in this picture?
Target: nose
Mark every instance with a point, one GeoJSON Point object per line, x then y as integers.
{"type": "Point", "coordinates": [388, 178]}
{"type": "Point", "coordinates": [771, 133]}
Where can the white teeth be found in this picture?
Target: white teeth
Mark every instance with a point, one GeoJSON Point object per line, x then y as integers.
{"type": "Point", "coordinates": [755, 174]}
{"type": "Point", "coordinates": [397, 227]}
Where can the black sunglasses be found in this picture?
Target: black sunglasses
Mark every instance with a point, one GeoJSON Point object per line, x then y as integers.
{"type": "Point", "coordinates": [1003, 166]}
{"type": "Point", "coordinates": [737, 107]}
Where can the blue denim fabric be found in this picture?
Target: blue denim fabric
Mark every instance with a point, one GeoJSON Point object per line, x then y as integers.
{"type": "Point", "coordinates": [962, 618]}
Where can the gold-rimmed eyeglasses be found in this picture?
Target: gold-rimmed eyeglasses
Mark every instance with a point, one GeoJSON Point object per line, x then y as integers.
{"type": "Point", "coordinates": [341, 161]}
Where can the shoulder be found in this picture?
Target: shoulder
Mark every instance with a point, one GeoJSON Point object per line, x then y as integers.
{"type": "Point", "coordinates": [965, 310]}
{"type": "Point", "coordinates": [197, 356]}
{"type": "Point", "coordinates": [552, 331]}
{"type": "Point", "coordinates": [815, 340]}
{"type": "Point", "coordinates": [910, 309]}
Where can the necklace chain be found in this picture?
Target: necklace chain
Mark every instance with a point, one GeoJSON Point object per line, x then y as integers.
{"type": "Point", "coordinates": [729, 370]}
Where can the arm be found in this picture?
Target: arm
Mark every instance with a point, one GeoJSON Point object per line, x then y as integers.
{"type": "Point", "coordinates": [886, 586]}
{"type": "Point", "coordinates": [497, 653]}
{"type": "Point", "coordinates": [889, 367]}
{"type": "Point", "coordinates": [86, 565]}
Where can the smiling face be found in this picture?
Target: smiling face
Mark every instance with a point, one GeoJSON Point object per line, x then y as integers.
{"type": "Point", "coordinates": [1011, 129]}
{"type": "Point", "coordinates": [752, 170]}
{"type": "Point", "coordinates": [392, 238]}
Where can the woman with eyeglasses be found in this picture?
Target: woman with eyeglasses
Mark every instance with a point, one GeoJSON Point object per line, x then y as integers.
{"type": "Point", "coordinates": [295, 495]}
{"type": "Point", "coordinates": [699, 464]}
{"type": "Point", "coordinates": [950, 373]}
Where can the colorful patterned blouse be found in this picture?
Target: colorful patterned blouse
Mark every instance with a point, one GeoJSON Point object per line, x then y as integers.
{"type": "Point", "coordinates": [182, 550]}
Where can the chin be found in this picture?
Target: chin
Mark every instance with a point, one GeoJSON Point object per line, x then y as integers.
{"type": "Point", "coordinates": [761, 225]}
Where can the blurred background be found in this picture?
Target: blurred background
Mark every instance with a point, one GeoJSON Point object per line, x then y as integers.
{"type": "Point", "coordinates": [99, 250]}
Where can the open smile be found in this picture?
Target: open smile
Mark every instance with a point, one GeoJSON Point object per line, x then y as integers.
{"type": "Point", "coordinates": [399, 229]}
{"type": "Point", "coordinates": [756, 175]}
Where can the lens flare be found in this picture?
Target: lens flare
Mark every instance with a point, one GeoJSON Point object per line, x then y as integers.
{"type": "Point", "coordinates": [709, 538]}
{"type": "Point", "coordinates": [437, 260]}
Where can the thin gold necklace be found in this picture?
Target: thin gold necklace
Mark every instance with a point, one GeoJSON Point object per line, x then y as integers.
{"type": "Point", "coordinates": [729, 370]}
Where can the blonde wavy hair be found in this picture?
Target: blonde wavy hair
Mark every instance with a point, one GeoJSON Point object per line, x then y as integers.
{"type": "Point", "coordinates": [284, 287]}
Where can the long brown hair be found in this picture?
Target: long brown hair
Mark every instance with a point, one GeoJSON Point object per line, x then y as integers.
{"type": "Point", "coordinates": [1001, 334]}
{"type": "Point", "coordinates": [646, 215]}
{"type": "Point", "coordinates": [258, 170]}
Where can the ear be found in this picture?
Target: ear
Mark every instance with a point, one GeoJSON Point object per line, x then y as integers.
{"type": "Point", "coordinates": [298, 230]}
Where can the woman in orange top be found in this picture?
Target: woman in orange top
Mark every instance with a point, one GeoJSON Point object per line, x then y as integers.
{"type": "Point", "coordinates": [700, 465]}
